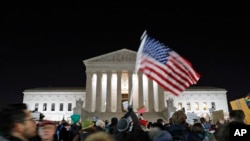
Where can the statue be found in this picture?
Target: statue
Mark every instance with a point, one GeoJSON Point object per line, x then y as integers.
{"type": "Point", "coordinates": [170, 102]}
{"type": "Point", "coordinates": [166, 113]}
{"type": "Point", "coordinates": [170, 107]}
{"type": "Point", "coordinates": [78, 108]}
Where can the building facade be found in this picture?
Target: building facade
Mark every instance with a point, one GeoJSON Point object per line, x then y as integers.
{"type": "Point", "coordinates": [55, 103]}
{"type": "Point", "coordinates": [112, 84]}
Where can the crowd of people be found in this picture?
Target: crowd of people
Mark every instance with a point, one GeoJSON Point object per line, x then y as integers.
{"type": "Point", "coordinates": [17, 124]}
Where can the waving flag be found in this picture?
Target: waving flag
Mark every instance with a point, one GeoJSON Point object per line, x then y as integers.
{"type": "Point", "coordinates": [163, 65]}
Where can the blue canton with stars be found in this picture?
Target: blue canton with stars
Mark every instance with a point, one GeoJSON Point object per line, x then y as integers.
{"type": "Point", "coordinates": [156, 50]}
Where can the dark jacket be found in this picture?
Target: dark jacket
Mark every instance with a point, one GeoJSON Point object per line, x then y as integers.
{"type": "Point", "coordinates": [73, 131]}
{"type": "Point", "coordinates": [63, 134]}
{"type": "Point", "coordinates": [9, 139]}
{"type": "Point", "coordinates": [196, 137]}
{"type": "Point", "coordinates": [136, 134]}
{"type": "Point", "coordinates": [113, 126]}
{"type": "Point", "coordinates": [163, 136]}
{"type": "Point", "coordinates": [179, 132]}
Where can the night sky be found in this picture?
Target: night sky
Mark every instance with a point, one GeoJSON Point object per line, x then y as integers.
{"type": "Point", "coordinates": [43, 45]}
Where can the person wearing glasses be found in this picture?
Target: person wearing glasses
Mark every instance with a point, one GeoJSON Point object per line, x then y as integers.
{"type": "Point", "coordinates": [17, 123]}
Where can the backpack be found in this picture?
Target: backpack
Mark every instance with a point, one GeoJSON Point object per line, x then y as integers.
{"type": "Point", "coordinates": [180, 136]}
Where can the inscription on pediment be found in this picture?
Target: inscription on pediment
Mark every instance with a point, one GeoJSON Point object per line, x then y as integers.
{"type": "Point", "coordinates": [121, 56]}
{"type": "Point", "coordinates": [117, 58]}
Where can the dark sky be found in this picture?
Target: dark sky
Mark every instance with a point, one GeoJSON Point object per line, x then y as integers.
{"type": "Point", "coordinates": [44, 44]}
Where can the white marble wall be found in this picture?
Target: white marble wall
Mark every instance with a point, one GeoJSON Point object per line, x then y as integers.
{"type": "Point", "coordinates": [207, 96]}
{"type": "Point", "coordinates": [31, 98]}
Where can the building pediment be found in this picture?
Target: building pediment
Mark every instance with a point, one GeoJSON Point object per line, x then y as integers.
{"type": "Point", "coordinates": [123, 55]}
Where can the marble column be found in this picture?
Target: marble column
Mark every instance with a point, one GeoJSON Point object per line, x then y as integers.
{"type": "Point", "coordinates": [119, 95]}
{"type": "Point", "coordinates": [161, 101]}
{"type": "Point", "coordinates": [130, 85]}
{"type": "Point", "coordinates": [140, 87]}
{"type": "Point", "coordinates": [150, 96]}
{"type": "Point", "coordinates": [108, 97]}
{"type": "Point", "coordinates": [88, 96]}
{"type": "Point", "coordinates": [99, 92]}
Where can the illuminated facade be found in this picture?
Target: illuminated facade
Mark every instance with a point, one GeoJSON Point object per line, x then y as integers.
{"type": "Point", "coordinates": [111, 82]}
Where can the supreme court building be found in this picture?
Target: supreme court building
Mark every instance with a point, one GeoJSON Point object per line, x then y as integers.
{"type": "Point", "coordinates": [111, 83]}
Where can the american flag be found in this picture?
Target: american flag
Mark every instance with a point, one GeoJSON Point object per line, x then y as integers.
{"type": "Point", "coordinates": [166, 67]}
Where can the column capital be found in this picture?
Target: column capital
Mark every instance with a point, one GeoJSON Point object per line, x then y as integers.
{"type": "Point", "coordinates": [119, 74]}
{"type": "Point", "coordinates": [139, 73]}
{"type": "Point", "coordinates": [130, 72]}
{"type": "Point", "coordinates": [108, 72]}
{"type": "Point", "coordinates": [98, 72]}
{"type": "Point", "coordinates": [89, 72]}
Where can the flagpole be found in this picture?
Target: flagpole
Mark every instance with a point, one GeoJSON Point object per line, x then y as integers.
{"type": "Point", "coordinates": [143, 38]}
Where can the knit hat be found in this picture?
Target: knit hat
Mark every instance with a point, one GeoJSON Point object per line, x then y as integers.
{"type": "Point", "coordinates": [143, 122]}
{"type": "Point", "coordinates": [75, 118]}
{"type": "Point", "coordinates": [87, 124]}
{"type": "Point", "coordinates": [100, 123]}
{"type": "Point", "coordinates": [114, 120]}
{"type": "Point", "coordinates": [123, 125]}
{"type": "Point", "coordinates": [45, 122]}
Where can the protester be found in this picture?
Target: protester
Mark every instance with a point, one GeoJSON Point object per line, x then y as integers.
{"type": "Point", "coordinates": [75, 126]}
{"type": "Point", "coordinates": [106, 125]}
{"type": "Point", "coordinates": [179, 128]}
{"type": "Point", "coordinates": [47, 130]}
{"type": "Point", "coordinates": [63, 131]}
{"type": "Point", "coordinates": [88, 127]}
{"type": "Point", "coordinates": [205, 124]}
{"type": "Point", "coordinates": [129, 128]}
{"type": "Point", "coordinates": [199, 133]}
{"type": "Point", "coordinates": [157, 133]}
{"type": "Point", "coordinates": [236, 115]}
{"type": "Point", "coordinates": [100, 125]}
{"type": "Point", "coordinates": [113, 126]}
{"type": "Point", "coordinates": [16, 123]}
{"type": "Point", "coordinates": [224, 133]}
